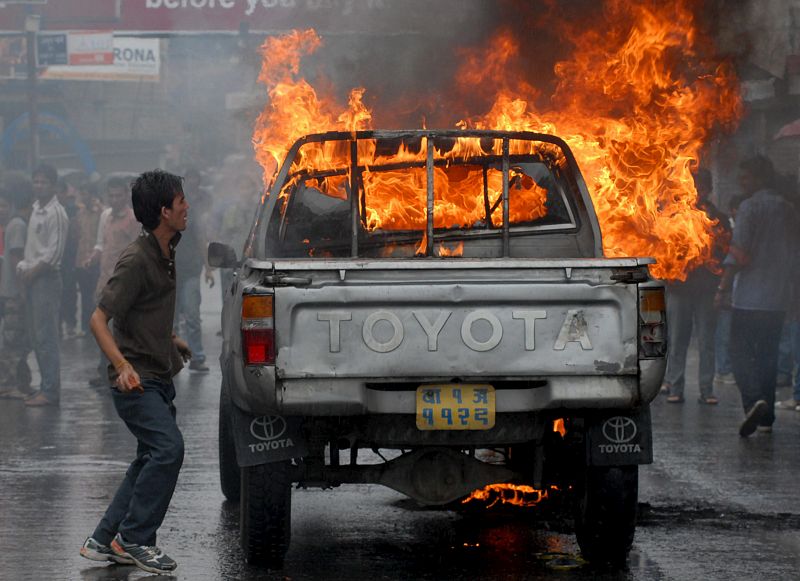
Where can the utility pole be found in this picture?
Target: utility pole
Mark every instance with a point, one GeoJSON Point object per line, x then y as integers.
{"type": "Point", "coordinates": [31, 33]}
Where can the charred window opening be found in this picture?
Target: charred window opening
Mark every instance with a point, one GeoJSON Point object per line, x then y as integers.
{"type": "Point", "coordinates": [391, 180]}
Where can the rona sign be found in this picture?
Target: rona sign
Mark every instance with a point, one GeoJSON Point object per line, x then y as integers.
{"type": "Point", "coordinates": [135, 59]}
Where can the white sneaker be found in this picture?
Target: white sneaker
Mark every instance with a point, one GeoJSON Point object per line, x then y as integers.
{"type": "Point", "coordinates": [788, 404]}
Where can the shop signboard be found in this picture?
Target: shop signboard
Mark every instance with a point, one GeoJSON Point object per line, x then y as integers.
{"type": "Point", "coordinates": [51, 49]}
{"type": "Point", "coordinates": [90, 48]}
{"type": "Point", "coordinates": [135, 59]}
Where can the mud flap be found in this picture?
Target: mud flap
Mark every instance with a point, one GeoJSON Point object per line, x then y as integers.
{"type": "Point", "coordinates": [266, 439]}
{"type": "Point", "coordinates": [619, 438]}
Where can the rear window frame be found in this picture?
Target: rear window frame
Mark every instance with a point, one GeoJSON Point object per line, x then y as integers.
{"type": "Point", "coordinates": [567, 180]}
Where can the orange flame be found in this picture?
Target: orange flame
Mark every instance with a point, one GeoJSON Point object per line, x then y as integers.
{"type": "Point", "coordinates": [515, 494]}
{"type": "Point", "coordinates": [457, 250]}
{"type": "Point", "coordinates": [558, 426]}
{"type": "Point", "coordinates": [636, 102]}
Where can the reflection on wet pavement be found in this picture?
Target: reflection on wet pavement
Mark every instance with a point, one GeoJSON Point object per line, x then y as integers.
{"type": "Point", "coordinates": [714, 506]}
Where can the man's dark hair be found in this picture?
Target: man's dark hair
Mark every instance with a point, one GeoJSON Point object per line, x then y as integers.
{"type": "Point", "coordinates": [46, 171]}
{"type": "Point", "coordinates": [152, 191]}
{"type": "Point", "coordinates": [761, 168]}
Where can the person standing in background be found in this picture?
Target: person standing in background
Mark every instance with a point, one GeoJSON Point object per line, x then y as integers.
{"type": "Point", "coordinates": [757, 283]}
{"type": "Point", "coordinates": [190, 264]}
{"type": "Point", "coordinates": [87, 270]}
{"type": "Point", "coordinates": [40, 274]}
{"type": "Point", "coordinates": [67, 197]}
{"type": "Point", "coordinates": [116, 229]}
{"type": "Point", "coordinates": [235, 218]}
{"type": "Point", "coordinates": [690, 309]}
{"type": "Point", "coordinates": [792, 323]}
{"type": "Point", "coordinates": [15, 375]}
{"type": "Point", "coordinates": [724, 375]}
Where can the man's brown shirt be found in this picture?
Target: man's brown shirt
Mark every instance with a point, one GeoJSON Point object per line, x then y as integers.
{"type": "Point", "coordinates": [140, 299]}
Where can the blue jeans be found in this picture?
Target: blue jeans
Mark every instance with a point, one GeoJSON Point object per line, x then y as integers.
{"type": "Point", "coordinates": [43, 312]}
{"type": "Point", "coordinates": [14, 370]}
{"type": "Point", "coordinates": [754, 352]}
{"type": "Point", "coordinates": [786, 359]}
{"type": "Point", "coordinates": [690, 312]}
{"type": "Point", "coordinates": [141, 501]}
{"type": "Point", "coordinates": [794, 334]}
{"type": "Point", "coordinates": [188, 308]}
{"type": "Point", "coordinates": [87, 283]}
{"type": "Point", "coordinates": [723, 342]}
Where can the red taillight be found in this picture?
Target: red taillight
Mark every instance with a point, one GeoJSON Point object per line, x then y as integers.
{"type": "Point", "coordinates": [258, 346]}
{"type": "Point", "coordinates": [652, 323]}
{"type": "Point", "coordinates": [258, 332]}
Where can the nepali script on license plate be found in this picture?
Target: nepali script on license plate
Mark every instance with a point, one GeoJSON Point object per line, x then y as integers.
{"type": "Point", "coordinates": [455, 407]}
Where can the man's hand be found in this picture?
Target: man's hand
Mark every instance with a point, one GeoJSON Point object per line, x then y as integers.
{"type": "Point", "coordinates": [722, 300]}
{"type": "Point", "coordinates": [25, 277]}
{"type": "Point", "coordinates": [29, 275]}
{"type": "Point", "coordinates": [129, 380]}
{"type": "Point", "coordinates": [183, 348]}
{"type": "Point", "coordinates": [209, 278]}
{"type": "Point", "coordinates": [93, 258]}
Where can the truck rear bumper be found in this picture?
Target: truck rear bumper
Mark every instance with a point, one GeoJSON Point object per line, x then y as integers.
{"type": "Point", "coordinates": [353, 397]}
{"type": "Point", "coordinates": [258, 392]}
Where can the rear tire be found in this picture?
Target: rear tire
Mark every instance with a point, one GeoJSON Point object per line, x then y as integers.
{"type": "Point", "coordinates": [266, 511]}
{"type": "Point", "coordinates": [229, 473]}
{"type": "Point", "coordinates": [605, 519]}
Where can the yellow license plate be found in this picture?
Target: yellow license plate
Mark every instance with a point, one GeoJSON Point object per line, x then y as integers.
{"type": "Point", "coordinates": [455, 407]}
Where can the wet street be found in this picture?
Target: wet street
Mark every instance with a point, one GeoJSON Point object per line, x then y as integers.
{"type": "Point", "coordinates": [713, 505]}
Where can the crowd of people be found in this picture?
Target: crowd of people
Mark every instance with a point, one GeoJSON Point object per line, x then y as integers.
{"type": "Point", "coordinates": [744, 306]}
{"type": "Point", "coordinates": [60, 239]}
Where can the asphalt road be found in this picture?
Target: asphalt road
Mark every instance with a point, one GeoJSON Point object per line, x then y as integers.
{"type": "Point", "coordinates": [713, 505]}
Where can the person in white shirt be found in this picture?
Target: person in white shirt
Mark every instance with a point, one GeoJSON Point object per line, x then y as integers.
{"type": "Point", "coordinates": [39, 273]}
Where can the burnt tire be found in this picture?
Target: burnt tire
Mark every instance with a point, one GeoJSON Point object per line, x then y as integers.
{"type": "Point", "coordinates": [605, 519]}
{"type": "Point", "coordinates": [266, 512]}
{"type": "Point", "coordinates": [229, 474]}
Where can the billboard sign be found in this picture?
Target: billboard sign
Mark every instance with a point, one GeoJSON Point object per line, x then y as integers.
{"type": "Point", "coordinates": [231, 16]}
{"type": "Point", "coordinates": [51, 49]}
{"type": "Point", "coordinates": [90, 48]}
{"type": "Point", "coordinates": [135, 59]}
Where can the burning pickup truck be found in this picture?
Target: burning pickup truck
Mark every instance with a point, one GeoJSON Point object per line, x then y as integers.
{"type": "Point", "coordinates": [430, 295]}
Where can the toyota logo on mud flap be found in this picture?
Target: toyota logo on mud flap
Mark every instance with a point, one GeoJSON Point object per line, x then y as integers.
{"type": "Point", "coordinates": [619, 430]}
{"type": "Point", "coordinates": [268, 428]}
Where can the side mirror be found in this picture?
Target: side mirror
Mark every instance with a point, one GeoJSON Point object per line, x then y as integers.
{"type": "Point", "coordinates": [221, 256]}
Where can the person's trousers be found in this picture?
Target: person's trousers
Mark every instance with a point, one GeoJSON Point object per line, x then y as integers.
{"type": "Point", "coordinates": [687, 311]}
{"type": "Point", "coordinates": [14, 370]}
{"type": "Point", "coordinates": [87, 283]}
{"type": "Point", "coordinates": [141, 501]}
{"type": "Point", "coordinates": [722, 352]}
{"type": "Point", "coordinates": [754, 354]}
{"type": "Point", "coordinates": [43, 305]}
{"type": "Point", "coordinates": [188, 309]}
{"type": "Point", "coordinates": [794, 335]}
{"type": "Point", "coordinates": [69, 298]}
